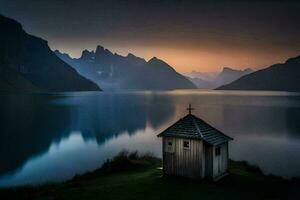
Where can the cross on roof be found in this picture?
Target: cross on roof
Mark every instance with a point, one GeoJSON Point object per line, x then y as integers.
{"type": "Point", "coordinates": [190, 109]}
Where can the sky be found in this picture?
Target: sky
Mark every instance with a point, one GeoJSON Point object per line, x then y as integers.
{"type": "Point", "coordinates": [189, 35]}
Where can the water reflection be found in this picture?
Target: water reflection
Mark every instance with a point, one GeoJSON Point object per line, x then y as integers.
{"type": "Point", "coordinates": [74, 155]}
{"type": "Point", "coordinates": [29, 124]}
{"type": "Point", "coordinates": [27, 128]}
{"type": "Point", "coordinates": [53, 137]}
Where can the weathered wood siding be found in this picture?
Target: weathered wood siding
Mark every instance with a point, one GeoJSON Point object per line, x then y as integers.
{"type": "Point", "coordinates": [220, 162]}
{"type": "Point", "coordinates": [182, 161]}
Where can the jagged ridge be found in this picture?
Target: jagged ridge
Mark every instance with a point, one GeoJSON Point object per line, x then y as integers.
{"type": "Point", "coordinates": [113, 71]}
{"type": "Point", "coordinates": [27, 60]}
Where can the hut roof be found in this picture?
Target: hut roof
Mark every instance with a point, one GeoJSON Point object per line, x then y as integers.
{"type": "Point", "coordinates": [193, 127]}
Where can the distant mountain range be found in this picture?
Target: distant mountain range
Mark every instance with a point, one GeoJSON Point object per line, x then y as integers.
{"type": "Point", "coordinates": [205, 76]}
{"type": "Point", "coordinates": [211, 80]}
{"type": "Point", "coordinates": [113, 71]}
{"type": "Point", "coordinates": [280, 77]}
{"type": "Point", "coordinates": [28, 64]}
{"type": "Point", "coordinates": [201, 83]}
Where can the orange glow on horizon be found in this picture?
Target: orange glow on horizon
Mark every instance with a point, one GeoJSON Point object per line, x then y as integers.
{"type": "Point", "coordinates": [186, 60]}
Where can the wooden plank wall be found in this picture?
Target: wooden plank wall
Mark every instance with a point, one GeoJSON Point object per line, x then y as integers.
{"type": "Point", "coordinates": [184, 162]}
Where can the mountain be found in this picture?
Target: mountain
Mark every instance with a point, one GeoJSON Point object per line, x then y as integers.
{"type": "Point", "coordinates": [228, 75]}
{"type": "Point", "coordinates": [205, 76]}
{"type": "Point", "coordinates": [211, 80]}
{"type": "Point", "coordinates": [280, 77]}
{"type": "Point", "coordinates": [113, 71]}
{"type": "Point", "coordinates": [28, 64]}
{"type": "Point", "coordinates": [202, 84]}
{"type": "Point", "coordinates": [11, 80]}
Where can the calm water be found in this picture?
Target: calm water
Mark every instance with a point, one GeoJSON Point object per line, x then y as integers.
{"type": "Point", "coordinates": [52, 137]}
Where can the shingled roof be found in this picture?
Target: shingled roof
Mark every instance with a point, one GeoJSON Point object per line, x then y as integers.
{"type": "Point", "coordinates": [195, 128]}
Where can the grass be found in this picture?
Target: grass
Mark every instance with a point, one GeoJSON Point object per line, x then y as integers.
{"type": "Point", "coordinates": [133, 176]}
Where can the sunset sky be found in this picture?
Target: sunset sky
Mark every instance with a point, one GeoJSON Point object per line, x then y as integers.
{"type": "Point", "coordinates": [189, 35]}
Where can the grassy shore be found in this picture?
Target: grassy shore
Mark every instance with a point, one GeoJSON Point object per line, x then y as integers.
{"type": "Point", "coordinates": [130, 176]}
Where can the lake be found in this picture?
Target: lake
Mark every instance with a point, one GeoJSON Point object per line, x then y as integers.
{"type": "Point", "coordinates": [52, 137]}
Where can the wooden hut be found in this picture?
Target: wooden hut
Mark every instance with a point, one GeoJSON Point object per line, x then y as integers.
{"type": "Point", "coordinates": [192, 148]}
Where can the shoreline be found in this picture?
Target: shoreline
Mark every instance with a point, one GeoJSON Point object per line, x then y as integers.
{"type": "Point", "coordinates": [130, 176]}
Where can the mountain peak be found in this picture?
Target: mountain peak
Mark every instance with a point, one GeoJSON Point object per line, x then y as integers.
{"type": "Point", "coordinates": [87, 54]}
{"type": "Point", "coordinates": [130, 55]}
{"type": "Point", "coordinates": [99, 48]}
{"type": "Point", "coordinates": [158, 63]}
{"type": "Point", "coordinates": [155, 60]}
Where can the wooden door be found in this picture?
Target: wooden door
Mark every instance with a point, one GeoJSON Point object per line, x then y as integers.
{"type": "Point", "coordinates": [169, 162]}
{"type": "Point", "coordinates": [218, 159]}
{"type": "Point", "coordinates": [208, 161]}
